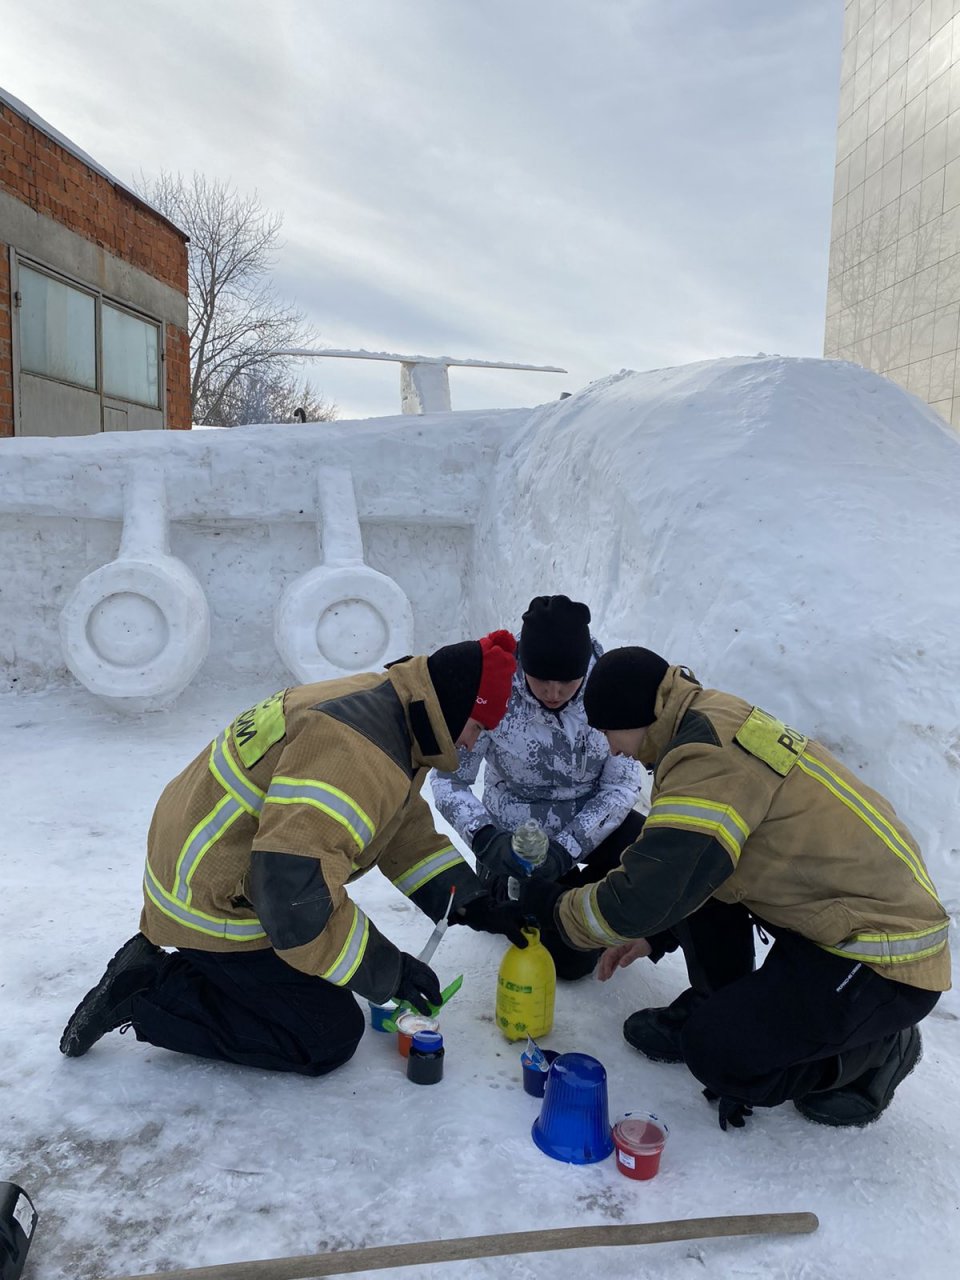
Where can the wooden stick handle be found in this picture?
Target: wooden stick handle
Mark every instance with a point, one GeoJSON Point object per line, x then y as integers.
{"type": "Point", "coordinates": [384, 1257]}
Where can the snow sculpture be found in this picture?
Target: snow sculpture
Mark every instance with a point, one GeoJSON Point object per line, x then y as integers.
{"type": "Point", "coordinates": [343, 616]}
{"type": "Point", "coordinates": [424, 388]}
{"type": "Point", "coordinates": [136, 630]}
{"type": "Point", "coordinates": [424, 380]}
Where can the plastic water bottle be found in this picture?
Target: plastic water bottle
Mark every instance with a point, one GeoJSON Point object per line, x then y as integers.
{"type": "Point", "coordinates": [530, 844]}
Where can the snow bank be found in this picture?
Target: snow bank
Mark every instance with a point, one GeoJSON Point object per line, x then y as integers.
{"type": "Point", "coordinates": [785, 527]}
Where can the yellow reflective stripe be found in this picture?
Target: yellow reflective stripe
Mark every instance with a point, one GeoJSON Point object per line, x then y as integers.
{"type": "Point", "coordinates": [865, 811]}
{"type": "Point", "coordinates": [245, 929]}
{"type": "Point", "coordinates": [586, 907]}
{"type": "Point", "coordinates": [351, 953]}
{"type": "Point", "coordinates": [207, 832]}
{"type": "Point", "coordinates": [232, 778]}
{"type": "Point", "coordinates": [721, 821]}
{"type": "Point", "coordinates": [427, 869]}
{"type": "Point", "coordinates": [321, 795]}
{"type": "Point", "coordinates": [893, 948]}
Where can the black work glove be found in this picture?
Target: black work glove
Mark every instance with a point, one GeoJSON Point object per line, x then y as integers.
{"type": "Point", "coordinates": [488, 916]}
{"type": "Point", "coordinates": [539, 898]}
{"type": "Point", "coordinates": [556, 864]}
{"type": "Point", "coordinates": [730, 1111]}
{"type": "Point", "coordinates": [418, 984]}
{"type": "Point", "coordinates": [493, 849]}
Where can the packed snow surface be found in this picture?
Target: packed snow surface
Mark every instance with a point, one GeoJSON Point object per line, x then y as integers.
{"type": "Point", "coordinates": [788, 529]}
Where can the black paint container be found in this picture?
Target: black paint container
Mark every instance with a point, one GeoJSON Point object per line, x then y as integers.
{"type": "Point", "coordinates": [425, 1059]}
{"type": "Point", "coordinates": [18, 1221]}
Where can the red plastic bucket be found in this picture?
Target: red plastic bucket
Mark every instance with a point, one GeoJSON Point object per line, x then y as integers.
{"type": "Point", "coordinates": [639, 1140]}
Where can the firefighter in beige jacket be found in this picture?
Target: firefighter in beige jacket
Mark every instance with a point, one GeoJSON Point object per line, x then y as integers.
{"type": "Point", "coordinates": [754, 823]}
{"type": "Point", "coordinates": [251, 852]}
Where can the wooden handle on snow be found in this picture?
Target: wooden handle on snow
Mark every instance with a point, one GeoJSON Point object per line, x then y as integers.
{"type": "Point", "coordinates": [383, 1257]}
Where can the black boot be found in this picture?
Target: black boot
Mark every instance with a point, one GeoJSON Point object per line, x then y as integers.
{"type": "Point", "coordinates": [860, 1092]}
{"type": "Point", "coordinates": [656, 1032]}
{"type": "Point", "coordinates": [107, 1006]}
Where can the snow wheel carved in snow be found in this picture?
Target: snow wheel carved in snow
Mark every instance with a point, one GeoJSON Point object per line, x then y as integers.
{"type": "Point", "coordinates": [136, 628]}
{"type": "Point", "coordinates": [338, 621]}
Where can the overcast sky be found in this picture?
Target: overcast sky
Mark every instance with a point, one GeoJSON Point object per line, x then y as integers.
{"type": "Point", "coordinates": [596, 184]}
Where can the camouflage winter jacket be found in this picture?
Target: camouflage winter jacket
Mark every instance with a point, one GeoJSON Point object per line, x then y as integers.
{"type": "Point", "coordinates": [548, 765]}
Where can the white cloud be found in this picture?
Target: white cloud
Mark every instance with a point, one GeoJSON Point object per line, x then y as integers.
{"type": "Point", "coordinates": [594, 183]}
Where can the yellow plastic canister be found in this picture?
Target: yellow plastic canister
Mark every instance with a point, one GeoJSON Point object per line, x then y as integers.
{"type": "Point", "coordinates": [526, 985]}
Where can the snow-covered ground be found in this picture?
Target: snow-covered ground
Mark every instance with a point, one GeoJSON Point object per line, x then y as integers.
{"type": "Point", "coordinates": [141, 1160]}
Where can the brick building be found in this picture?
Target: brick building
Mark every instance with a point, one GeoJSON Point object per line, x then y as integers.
{"type": "Point", "coordinates": [93, 293]}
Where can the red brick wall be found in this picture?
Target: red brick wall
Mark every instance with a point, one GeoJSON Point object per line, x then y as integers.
{"type": "Point", "coordinates": [179, 413]}
{"type": "Point", "coordinates": [39, 172]}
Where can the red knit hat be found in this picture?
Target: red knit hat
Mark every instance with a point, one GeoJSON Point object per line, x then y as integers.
{"type": "Point", "coordinates": [496, 678]}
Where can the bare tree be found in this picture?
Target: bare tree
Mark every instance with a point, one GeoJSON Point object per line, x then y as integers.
{"type": "Point", "coordinates": [237, 321]}
{"type": "Point", "coordinates": [262, 396]}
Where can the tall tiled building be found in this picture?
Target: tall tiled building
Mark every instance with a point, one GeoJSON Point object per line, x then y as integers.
{"type": "Point", "coordinates": [893, 301]}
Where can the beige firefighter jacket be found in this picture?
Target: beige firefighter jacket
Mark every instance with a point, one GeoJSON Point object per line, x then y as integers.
{"type": "Point", "coordinates": [296, 798]}
{"type": "Point", "coordinates": [807, 845]}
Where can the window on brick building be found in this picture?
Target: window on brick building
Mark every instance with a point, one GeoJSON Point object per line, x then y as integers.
{"type": "Point", "coordinates": [77, 336]}
{"type": "Point", "coordinates": [58, 329]}
{"type": "Point", "coordinates": [131, 357]}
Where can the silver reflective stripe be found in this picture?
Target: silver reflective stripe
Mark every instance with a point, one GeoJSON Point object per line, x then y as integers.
{"type": "Point", "coordinates": [199, 841]}
{"type": "Point", "coordinates": [345, 965]}
{"type": "Point", "coordinates": [329, 799]}
{"type": "Point", "coordinates": [213, 926]}
{"type": "Point", "coordinates": [592, 919]}
{"type": "Point", "coordinates": [418, 876]}
{"type": "Point", "coordinates": [889, 948]}
{"type": "Point", "coordinates": [725, 823]}
{"type": "Point", "coordinates": [230, 776]}
{"type": "Point", "coordinates": [877, 823]}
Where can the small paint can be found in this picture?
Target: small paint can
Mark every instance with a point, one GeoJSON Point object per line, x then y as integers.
{"type": "Point", "coordinates": [380, 1014]}
{"type": "Point", "coordinates": [408, 1024]}
{"type": "Point", "coordinates": [639, 1140]}
{"type": "Point", "coordinates": [18, 1221]}
{"type": "Point", "coordinates": [425, 1059]}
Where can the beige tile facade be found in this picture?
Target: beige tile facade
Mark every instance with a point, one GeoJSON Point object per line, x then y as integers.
{"type": "Point", "coordinates": [893, 298]}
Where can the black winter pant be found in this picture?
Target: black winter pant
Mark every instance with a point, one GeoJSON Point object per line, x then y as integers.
{"type": "Point", "coordinates": [571, 963]}
{"type": "Point", "coordinates": [251, 1008]}
{"type": "Point", "coordinates": [779, 1032]}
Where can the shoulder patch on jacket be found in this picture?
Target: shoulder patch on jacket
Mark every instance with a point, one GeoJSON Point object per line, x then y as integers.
{"type": "Point", "coordinates": [257, 730]}
{"type": "Point", "coordinates": [378, 715]}
{"type": "Point", "coordinates": [771, 741]}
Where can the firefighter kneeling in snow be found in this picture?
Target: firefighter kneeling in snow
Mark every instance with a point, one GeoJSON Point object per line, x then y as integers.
{"type": "Point", "coordinates": [250, 851]}
{"type": "Point", "coordinates": [752, 823]}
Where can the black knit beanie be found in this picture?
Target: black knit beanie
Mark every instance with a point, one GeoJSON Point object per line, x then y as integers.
{"type": "Point", "coordinates": [555, 639]}
{"type": "Point", "coordinates": [622, 690]}
{"type": "Point", "coordinates": [455, 671]}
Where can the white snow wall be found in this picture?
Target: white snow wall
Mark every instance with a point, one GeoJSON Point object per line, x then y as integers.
{"type": "Point", "coordinates": [243, 516]}
{"type": "Point", "coordinates": [784, 527]}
